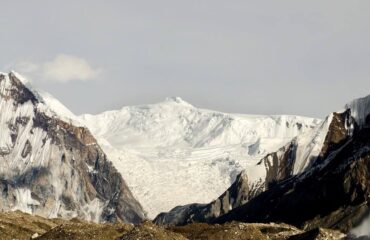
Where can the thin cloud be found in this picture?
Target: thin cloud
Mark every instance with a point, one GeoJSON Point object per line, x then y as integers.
{"type": "Point", "coordinates": [63, 68]}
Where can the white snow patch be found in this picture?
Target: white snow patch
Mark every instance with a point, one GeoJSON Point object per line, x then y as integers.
{"type": "Point", "coordinates": [24, 201]}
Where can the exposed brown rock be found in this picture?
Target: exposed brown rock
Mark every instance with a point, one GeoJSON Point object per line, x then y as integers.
{"type": "Point", "coordinates": [148, 230]}
{"type": "Point", "coordinates": [80, 230]}
{"type": "Point", "coordinates": [22, 226]}
{"type": "Point", "coordinates": [236, 231]}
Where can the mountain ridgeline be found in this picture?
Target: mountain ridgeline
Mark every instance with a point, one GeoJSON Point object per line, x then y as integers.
{"type": "Point", "coordinates": [285, 169]}
{"type": "Point", "coordinates": [319, 179]}
{"type": "Point", "coordinates": [53, 168]}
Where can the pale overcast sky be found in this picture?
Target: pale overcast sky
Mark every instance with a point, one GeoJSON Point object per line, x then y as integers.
{"type": "Point", "coordinates": [263, 57]}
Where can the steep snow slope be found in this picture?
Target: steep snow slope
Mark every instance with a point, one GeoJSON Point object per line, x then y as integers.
{"type": "Point", "coordinates": [172, 153]}
{"type": "Point", "coordinates": [51, 167]}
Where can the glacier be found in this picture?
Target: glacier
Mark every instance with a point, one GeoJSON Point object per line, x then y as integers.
{"type": "Point", "coordinates": [172, 153]}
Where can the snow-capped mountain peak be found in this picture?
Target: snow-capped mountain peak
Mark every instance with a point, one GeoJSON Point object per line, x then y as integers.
{"type": "Point", "coordinates": [174, 145]}
{"type": "Point", "coordinates": [178, 100]}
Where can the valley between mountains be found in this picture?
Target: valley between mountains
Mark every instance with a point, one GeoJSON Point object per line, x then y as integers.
{"type": "Point", "coordinates": [196, 173]}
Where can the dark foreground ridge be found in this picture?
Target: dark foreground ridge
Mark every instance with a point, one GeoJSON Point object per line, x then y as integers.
{"type": "Point", "coordinates": [22, 226]}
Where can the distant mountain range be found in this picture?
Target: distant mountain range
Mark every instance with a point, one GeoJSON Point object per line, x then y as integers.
{"type": "Point", "coordinates": [191, 164]}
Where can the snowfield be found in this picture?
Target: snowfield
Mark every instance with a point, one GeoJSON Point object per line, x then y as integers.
{"type": "Point", "coordinates": [173, 153]}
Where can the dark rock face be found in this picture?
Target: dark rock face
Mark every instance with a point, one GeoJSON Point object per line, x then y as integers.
{"type": "Point", "coordinates": [334, 193]}
{"type": "Point", "coordinates": [53, 168]}
{"type": "Point", "coordinates": [19, 92]}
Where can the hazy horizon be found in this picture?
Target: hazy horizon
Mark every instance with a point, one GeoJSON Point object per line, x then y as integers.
{"type": "Point", "coordinates": [304, 58]}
